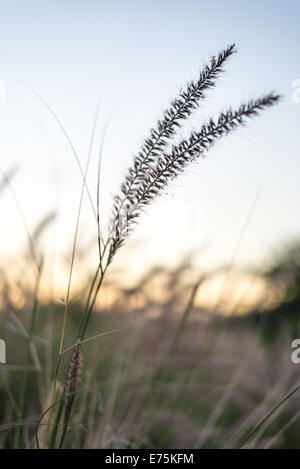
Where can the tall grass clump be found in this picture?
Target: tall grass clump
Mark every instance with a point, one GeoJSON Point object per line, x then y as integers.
{"type": "Point", "coordinates": [159, 161]}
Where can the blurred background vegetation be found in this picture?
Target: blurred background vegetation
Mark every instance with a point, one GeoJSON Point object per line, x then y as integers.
{"type": "Point", "coordinates": [173, 371]}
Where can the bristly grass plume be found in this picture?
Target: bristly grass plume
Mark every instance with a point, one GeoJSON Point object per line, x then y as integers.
{"type": "Point", "coordinates": [153, 167]}
{"type": "Point", "coordinates": [158, 162]}
{"type": "Point", "coordinates": [74, 379]}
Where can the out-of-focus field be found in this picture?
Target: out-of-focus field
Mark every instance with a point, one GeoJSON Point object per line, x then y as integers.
{"type": "Point", "coordinates": [170, 374]}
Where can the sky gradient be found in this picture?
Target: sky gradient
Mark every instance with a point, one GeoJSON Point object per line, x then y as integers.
{"type": "Point", "coordinates": [132, 57]}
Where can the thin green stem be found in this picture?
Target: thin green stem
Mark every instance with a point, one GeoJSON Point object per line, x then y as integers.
{"type": "Point", "coordinates": [252, 432]}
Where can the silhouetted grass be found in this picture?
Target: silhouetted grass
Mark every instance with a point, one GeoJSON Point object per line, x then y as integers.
{"type": "Point", "coordinates": [180, 379]}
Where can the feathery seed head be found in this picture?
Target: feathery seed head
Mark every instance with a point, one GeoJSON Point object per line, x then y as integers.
{"type": "Point", "coordinates": [154, 167]}
{"type": "Point", "coordinates": [74, 379]}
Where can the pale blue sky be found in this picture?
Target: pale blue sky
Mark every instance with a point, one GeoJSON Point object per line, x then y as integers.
{"type": "Point", "coordinates": [133, 56]}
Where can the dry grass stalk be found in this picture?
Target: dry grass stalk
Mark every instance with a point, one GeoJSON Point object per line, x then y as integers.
{"type": "Point", "coordinates": [158, 162]}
